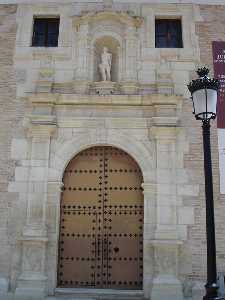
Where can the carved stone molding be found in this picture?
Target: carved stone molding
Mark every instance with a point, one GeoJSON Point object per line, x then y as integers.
{"type": "Point", "coordinates": [164, 105]}
{"type": "Point", "coordinates": [149, 188]}
{"type": "Point", "coordinates": [40, 126]}
{"type": "Point", "coordinates": [166, 132]}
{"type": "Point", "coordinates": [105, 87]}
{"type": "Point", "coordinates": [121, 17]}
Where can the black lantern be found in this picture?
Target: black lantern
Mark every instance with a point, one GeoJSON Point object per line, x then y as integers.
{"type": "Point", "coordinates": [204, 97]}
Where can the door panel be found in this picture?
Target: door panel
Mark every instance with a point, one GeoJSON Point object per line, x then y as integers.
{"type": "Point", "coordinates": [101, 221]}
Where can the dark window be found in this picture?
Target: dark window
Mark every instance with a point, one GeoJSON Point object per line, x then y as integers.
{"type": "Point", "coordinates": [45, 32]}
{"type": "Point", "coordinates": [168, 34]}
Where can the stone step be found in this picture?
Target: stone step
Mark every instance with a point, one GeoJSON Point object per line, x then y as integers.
{"type": "Point", "coordinates": [96, 294]}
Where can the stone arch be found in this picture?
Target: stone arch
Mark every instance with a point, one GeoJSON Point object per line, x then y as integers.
{"type": "Point", "coordinates": [116, 176]}
{"type": "Point", "coordinates": [98, 34]}
{"type": "Point", "coordinates": [135, 148]}
{"type": "Point", "coordinates": [142, 153]}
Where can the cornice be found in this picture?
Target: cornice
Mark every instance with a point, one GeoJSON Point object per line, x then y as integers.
{"type": "Point", "coordinates": [156, 100]}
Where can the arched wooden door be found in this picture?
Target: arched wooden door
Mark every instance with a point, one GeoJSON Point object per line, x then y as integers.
{"type": "Point", "coordinates": [101, 228]}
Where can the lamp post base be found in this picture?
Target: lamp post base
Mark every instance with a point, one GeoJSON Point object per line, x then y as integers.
{"type": "Point", "coordinates": [212, 292]}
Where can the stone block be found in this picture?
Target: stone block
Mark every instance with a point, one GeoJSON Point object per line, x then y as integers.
{"type": "Point", "coordinates": [40, 151]}
{"type": "Point", "coordinates": [183, 66]}
{"type": "Point", "coordinates": [150, 213]}
{"type": "Point", "coordinates": [22, 173]}
{"type": "Point", "coordinates": [39, 187]}
{"type": "Point", "coordinates": [20, 187]}
{"type": "Point", "coordinates": [4, 286]}
{"type": "Point", "coordinates": [188, 190]}
{"type": "Point", "coordinates": [182, 232]}
{"type": "Point", "coordinates": [163, 162]}
{"type": "Point", "coordinates": [182, 176]}
{"type": "Point", "coordinates": [44, 86]}
{"type": "Point", "coordinates": [166, 287]}
{"type": "Point", "coordinates": [81, 87]}
{"type": "Point", "coordinates": [129, 88]}
{"type": "Point", "coordinates": [166, 189]}
{"type": "Point", "coordinates": [166, 232]}
{"type": "Point", "coordinates": [54, 174]}
{"type": "Point", "coordinates": [167, 215]}
{"type": "Point", "coordinates": [186, 215]}
{"type": "Point", "coordinates": [37, 174]}
{"type": "Point", "coordinates": [164, 176]}
{"type": "Point", "coordinates": [29, 294]}
{"type": "Point", "coordinates": [146, 76]}
{"type": "Point", "coordinates": [19, 149]}
{"type": "Point", "coordinates": [34, 163]}
{"type": "Point", "coordinates": [198, 290]}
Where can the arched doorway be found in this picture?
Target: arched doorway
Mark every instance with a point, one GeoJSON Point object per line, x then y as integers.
{"type": "Point", "coordinates": [101, 226]}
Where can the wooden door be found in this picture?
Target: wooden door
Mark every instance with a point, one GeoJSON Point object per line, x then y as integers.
{"type": "Point", "coordinates": [101, 228]}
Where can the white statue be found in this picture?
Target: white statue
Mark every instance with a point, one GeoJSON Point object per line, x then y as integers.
{"type": "Point", "coordinates": [106, 64]}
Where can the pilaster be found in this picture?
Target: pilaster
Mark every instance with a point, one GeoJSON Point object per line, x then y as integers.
{"type": "Point", "coordinates": [166, 284]}
{"type": "Point", "coordinates": [129, 82]}
{"type": "Point", "coordinates": [165, 141]}
{"type": "Point", "coordinates": [34, 235]}
{"type": "Point", "coordinates": [81, 84]}
{"type": "Point", "coordinates": [166, 243]}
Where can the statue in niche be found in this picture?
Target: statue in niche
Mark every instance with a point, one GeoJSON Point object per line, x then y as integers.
{"type": "Point", "coordinates": [105, 65]}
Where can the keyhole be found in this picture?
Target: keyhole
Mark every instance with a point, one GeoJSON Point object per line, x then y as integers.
{"type": "Point", "coordinates": [116, 249]}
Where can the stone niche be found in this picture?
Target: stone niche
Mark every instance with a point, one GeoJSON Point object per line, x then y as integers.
{"type": "Point", "coordinates": [106, 87]}
{"type": "Point", "coordinates": [114, 48]}
{"type": "Point", "coordinates": [119, 33]}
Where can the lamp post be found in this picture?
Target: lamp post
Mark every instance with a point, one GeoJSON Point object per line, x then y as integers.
{"type": "Point", "coordinates": [204, 98]}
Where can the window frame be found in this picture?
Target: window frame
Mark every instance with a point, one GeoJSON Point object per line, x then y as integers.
{"type": "Point", "coordinates": [47, 20]}
{"type": "Point", "coordinates": [180, 28]}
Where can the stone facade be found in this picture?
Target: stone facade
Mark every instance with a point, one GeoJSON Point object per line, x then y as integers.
{"type": "Point", "coordinates": [52, 107]}
{"type": "Point", "coordinates": [9, 116]}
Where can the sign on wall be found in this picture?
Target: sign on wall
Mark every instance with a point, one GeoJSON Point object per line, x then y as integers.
{"type": "Point", "coordinates": [219, 72]}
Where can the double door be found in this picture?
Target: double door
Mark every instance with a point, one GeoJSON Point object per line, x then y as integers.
{"type": "Point", "coordinates": [101, 228]}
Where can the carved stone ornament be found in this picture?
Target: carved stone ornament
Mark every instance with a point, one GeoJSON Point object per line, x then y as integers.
{"type": "Point", "coordinates": [33, 258]}
{"type": "Point", "coordinates": [166, 259]}
{"type": "Point", "coordinates": [120, 17]}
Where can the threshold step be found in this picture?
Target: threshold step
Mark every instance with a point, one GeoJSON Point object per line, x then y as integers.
{"type": "Point", "coordinates": [98, 294]}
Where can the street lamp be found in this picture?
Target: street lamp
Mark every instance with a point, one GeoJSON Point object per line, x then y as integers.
{"type": "Point", "coordinates": [204, 98]}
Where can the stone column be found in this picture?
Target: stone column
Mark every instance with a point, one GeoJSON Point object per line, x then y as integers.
{"type": "Point", "coordinates": [53, 221]}
{"type": "Point", "coordinates": [166, 160]}
{"type": "Point", "coordinates": [31, 283]}
{"type": "Point", "coordinates": [166, 284]}
{"type": "Point", "coordinates": [81, 83]}
{"type": "Point", "coordinates": [149, 190]}
{"type": "Point", "coordinates": [129, 84]}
